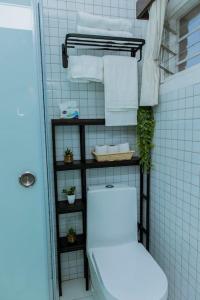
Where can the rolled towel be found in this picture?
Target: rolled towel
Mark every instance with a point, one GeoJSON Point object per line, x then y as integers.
{"type": "Point", "coordinates": [101, 149]}
{"type": "Point", "coordinates": [124, 147]}
{"type": "Point", "coordinates": [107, 23]}
{"type": "Point", "coordinates": [113, 149]}
{"type": "Point", "coordinates": [85, 68]}
{"type": "Point", "coordinates": [97, 31]}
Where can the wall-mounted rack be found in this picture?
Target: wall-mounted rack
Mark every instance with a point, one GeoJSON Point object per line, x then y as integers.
{"type": "Point", "coordinates": [62, 207]}
{"type": "Point", "coordinates": [99, 42]}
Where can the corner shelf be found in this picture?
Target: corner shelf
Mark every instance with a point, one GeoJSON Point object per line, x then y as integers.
{"type": "Point", "coordinates": [62, 207]}
{"type": "Point", "coordinates": [61, 166]}
{"type": "Point", "coordinates": [67, 247]}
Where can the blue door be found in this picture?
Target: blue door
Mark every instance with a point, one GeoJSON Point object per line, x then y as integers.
{"type": "Point", "coordinates": [24, 247]}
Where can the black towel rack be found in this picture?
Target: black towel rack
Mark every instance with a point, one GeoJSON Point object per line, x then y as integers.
{"type": "Point", "coordinates": [99, 42]}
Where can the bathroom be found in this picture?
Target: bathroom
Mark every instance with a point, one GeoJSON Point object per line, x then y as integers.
{"type": "Point", "coordinates": [157, 189]}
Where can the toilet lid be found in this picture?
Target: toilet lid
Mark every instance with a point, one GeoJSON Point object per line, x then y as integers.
{"type": "Point", "coordinates": [128, 272]}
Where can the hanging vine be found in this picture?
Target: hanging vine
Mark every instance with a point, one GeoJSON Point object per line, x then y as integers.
{"type": "Point", "coordinates": [145, 133]}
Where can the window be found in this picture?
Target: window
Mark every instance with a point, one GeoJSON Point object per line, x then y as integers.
{"type": "Point", "coordinates": [189, 39]}
{"type": "Point", "coordinates": [180, 47]}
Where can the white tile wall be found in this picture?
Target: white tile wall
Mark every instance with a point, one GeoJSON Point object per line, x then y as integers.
{"type": "Point", "coordinates": [175, 209]}
{"type": "Point", "coordinates": [59, 19]}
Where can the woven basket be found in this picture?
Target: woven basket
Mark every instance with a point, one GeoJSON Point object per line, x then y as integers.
{"type": "Point", "coordinates": [113, 156]}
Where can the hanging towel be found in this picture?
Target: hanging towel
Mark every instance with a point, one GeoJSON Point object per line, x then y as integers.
{"type": "Point", "coordinates": [97, 31]}
{"type": "Point", "coordinates": [121, 90]}
{"type": "Point", "coordinates": [85, 68]}
{"type": "Point", "coordinates": [107, 23]}
{"type": "Point", "coordinates": [151, 70]}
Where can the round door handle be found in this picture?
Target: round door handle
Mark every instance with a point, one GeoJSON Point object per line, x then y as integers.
{"type": "Point", "coordinates": [27, 179]}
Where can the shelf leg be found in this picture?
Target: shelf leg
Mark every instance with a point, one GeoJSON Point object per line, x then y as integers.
{"type": "Point", "coordinates": [84, 197]}
{"type": "Point", "coordinates": [141, 204]}
{"type": "Point", "coordinates": [148, 210]}
{"type": "Point", "coordinates": [59, 275]}
{"type": "Point", "coordinates": [57, 215]}
{"type": "Point", "coordinates": [86, 271]}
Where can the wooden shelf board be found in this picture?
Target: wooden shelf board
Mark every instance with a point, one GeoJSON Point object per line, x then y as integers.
{"type": "Point", "coordinates": [72, 122]}
{"type": "Point", "coordinates": [76, 165]}
{"type": "Point", "coordinates": [67, 247]}
{"type": "Point", "coordinates": [64, 207]}
{"type": "Point", "coordinates": [91, 163]}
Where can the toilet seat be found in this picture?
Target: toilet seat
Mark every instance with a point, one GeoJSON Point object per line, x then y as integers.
{"type": "Point", "coordinates": [128, 272]}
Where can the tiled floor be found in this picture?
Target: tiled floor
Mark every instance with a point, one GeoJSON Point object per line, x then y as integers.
{"type": "Point", "coordinates": [75, 290]}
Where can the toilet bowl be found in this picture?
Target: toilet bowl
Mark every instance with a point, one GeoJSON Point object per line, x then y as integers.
{"type": "Point", "coordinates": [120, 267]}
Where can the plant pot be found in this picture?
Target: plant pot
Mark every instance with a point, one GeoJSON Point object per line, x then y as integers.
{"type": "Point", "coordinates": [71, 199]}
{"type": "Point", "coordinates": [71, 238]}
{"type": "Point", "coordinates": [68, 159]}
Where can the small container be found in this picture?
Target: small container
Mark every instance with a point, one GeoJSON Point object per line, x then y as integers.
{"type": "Point", "coordinates": [68, 159]}
{"type": "Point", "coordinates": [69, 110]}
{"type": "Point", "coordinates": [71, 238]}
{"type": "Point", "coordinates": [71, 199]}
{"type": "Point", "coordinates": [113, 156]}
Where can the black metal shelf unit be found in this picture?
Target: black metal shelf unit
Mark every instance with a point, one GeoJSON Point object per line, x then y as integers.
{"type": "Point", "coordinates": [81, 204]}
{"type": "Point", "coordinates": [99, 42]}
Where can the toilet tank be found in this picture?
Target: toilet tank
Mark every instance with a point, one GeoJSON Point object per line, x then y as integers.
{"type": "Point", "coordinates": [111, 215]}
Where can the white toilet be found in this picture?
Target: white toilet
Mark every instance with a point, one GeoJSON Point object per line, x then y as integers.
{"type": "Point", "coordinates": [120, 267]}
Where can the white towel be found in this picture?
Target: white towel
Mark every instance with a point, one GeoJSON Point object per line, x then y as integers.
{"type": "Point", "coordinates": [101, 149]}
{"type": "Point", "coordinates": [107, 23]}
{"type": "Point", "coordinates": [124, 147]}
{"type": "Point", "coordinates": [151, 71]}
{"type": "Point", "coordinates": [113, 149]}
{"type": "Point", "coordinates": [85, 68]}
{"type": "Point", "coordinates": [97, 31]}
{"type": "Point", "coordinates": [121, 90]}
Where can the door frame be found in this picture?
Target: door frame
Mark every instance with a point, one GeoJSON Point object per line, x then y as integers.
{"type": "Point", "coordinates": [49, 207]}
{"type": "Point", "coordinates": [41, 82]}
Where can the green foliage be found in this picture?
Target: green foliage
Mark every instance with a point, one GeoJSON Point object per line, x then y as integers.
{"type": "Point", "coordinates": [69, 152]}
{"type": "Point", "coordinates": [70, 191]}
{"type": "Point", "coordinates": [71, 231]}
{"type": "Point", "coordinates": [145, 133]}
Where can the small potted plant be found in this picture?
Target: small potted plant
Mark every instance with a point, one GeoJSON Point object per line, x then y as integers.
{"type": "Point", "coordinates": [71, 236]}
{"type": "Point", "coordinates": [70, 192]}
{"type": "Point", "coordinates": [68, 157]}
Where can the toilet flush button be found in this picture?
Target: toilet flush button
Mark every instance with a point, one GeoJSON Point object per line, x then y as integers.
{"type": "Point", "coordinates": [109, 186]}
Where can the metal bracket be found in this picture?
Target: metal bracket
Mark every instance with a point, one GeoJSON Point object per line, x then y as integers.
{"type": "Point", "coordinates": [64, 57]}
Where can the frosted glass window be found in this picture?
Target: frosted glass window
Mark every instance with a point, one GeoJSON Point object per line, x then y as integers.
{"type": "Point", "coordinates": [189, 39]}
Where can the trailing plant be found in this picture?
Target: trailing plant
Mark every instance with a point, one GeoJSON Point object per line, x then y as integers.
{"type": "Point", "coordinates": [145, 133]}
{"type": "Point", "coordinates": [70, 191]}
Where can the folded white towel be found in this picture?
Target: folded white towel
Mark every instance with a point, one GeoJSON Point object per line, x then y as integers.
{"type": "Point", "coordinates": [85, 68]}
{"type": "Point", "coordinates": [113, 149]}
{"type": "Point", "coordinates": [121, 90]}
{"type": "Point", "coordinates": [107, 23]}
{"type": "Point", "coordinates": [97, 31]}
{"type": "Point", "coordinates": [101, 149]}
{"type": "Point", "coordinates": [124, 147]}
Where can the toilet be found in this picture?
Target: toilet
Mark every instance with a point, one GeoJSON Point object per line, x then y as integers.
{"type": "Point", "coordinates": [120, 267]}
